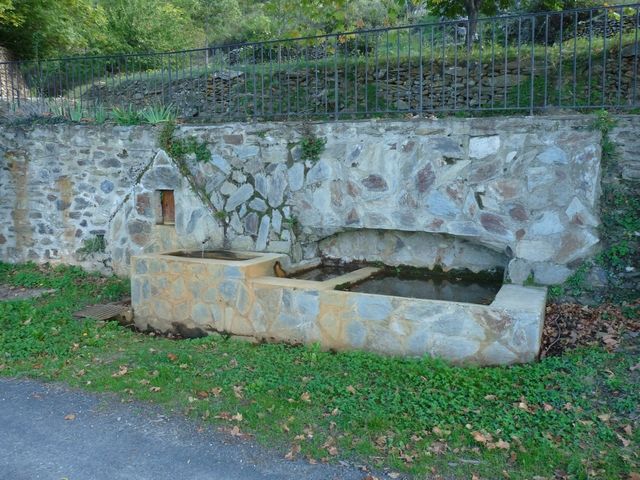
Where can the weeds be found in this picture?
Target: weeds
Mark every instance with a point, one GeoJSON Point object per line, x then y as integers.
{"type": "Point", "coordinates": [126, 116]}
{"type": "Point", "coordinates": [92, 245]}
{"type": "Point", "coordinates": [157, 114]}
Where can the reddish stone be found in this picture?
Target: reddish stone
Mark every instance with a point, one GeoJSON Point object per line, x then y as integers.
{"type": "Point", "coordinates": [492, 223]}
{"type": "Point", "coordinates": [353, 217]}
{"type": "Point", "coordinates": [436, 224]}
{"type": "Point", "coordinates": [407, 147]}
{"type": "Point", "coordinates": [3, 240]}
{"type": "Point", "coordinates": [352, 189]}
{"type": "Point", "coordinates": [518, 213]}
{"type": "Point", "coordinates": [143, 204]}
{"type": "Point", "coordinates": [453, 194]}
{"type": "Point", "coordinates": [520, 234]}
{"type": "Point", "coordinates": [375, 183]}
{"type": "Point", "coordinates": [425, 178]}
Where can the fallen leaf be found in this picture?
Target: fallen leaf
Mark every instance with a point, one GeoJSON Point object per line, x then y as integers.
{"type": "Point", "coordinates": [237, 391]}
{"type": "Point", "coordinates": [625, 442]}
{"type": "Point", "coordinates": [634, 476]}
{"type": "Point", "coordinates": [202, 394]}
{"type": "Point", "coordinates": [216, 391]}
{"type": "Point", "coordinates": [490, 397]}
{"type": "Point", "coordinates": [547, 407]}
{"type": "Point", "coordinates": [351, 389]}
{"type": "Point", "coordinates": [502, 444]}
{"type": "Point", "coordinates": [479, 437]}
{"type": "Point", "coordinates": [292, 453]}
{"type": "Point", "coordinates": [394, 475]}
{"type": "Point", "coordinates": [306, 397]}
{"type": "Point", "coordinates": [70, 416]}
{"type": "Point", "coordinates": [155, 389]}
{"type": "Point", "coordinates": [237, 417]}
{"type": "Point", "coordinates": [172, 356]}
{"type": "Point", "coordinates": [123, 369]}
{"type": "Point", "coordinates": [605, 417]}
{"type": "Point", "coordinates": [627, 429]}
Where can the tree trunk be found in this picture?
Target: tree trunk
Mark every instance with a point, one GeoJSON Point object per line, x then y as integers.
{"type": "Point", "coordinates": [472, 7]}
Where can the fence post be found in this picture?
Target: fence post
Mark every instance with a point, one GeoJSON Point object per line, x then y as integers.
{"type": "Point", "coordinates": [335, 80]}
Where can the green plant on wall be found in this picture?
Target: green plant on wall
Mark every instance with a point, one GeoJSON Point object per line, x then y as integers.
{"type": "Point", "coordinates": [92, 245]}
{"type": "Point", "coordinates": [311, 146]}
{"type": "Point", "coordinates": [156, 114]}
{"type": "Point", "coordinates": [126, 116]}
{"type": "Point", "coordinates": [180, 148]}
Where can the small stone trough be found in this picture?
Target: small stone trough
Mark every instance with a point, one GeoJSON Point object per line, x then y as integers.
{"type": "Point", "coordinates": [193, 296]}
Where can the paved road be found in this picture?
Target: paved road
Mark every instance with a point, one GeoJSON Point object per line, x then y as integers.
{"type": "Point", "coordinates": [111, 440]}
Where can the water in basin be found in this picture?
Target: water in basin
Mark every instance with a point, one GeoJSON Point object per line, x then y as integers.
{"type": "Point", "coordinates": [213, 254]}
{"type": "Point", "coordinates": [467, 288]}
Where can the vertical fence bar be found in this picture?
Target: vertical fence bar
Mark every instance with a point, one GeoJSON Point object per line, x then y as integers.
{"type": "Point", "coordinates": [589, 55]}
{"type": "Point", "coordinates": [366, 73]}
{"type": "Point", "coordinates": [336, 85]}
{"type": "Point", "coordinates": [604, 56]}
{"type": "Point", "coordinates": [532, 67]}
{"type": "Point", "coordinates": [518, 62]}
{"type": "Point", "coordinates": [421, 73]}
{"type": "Point", "coordinates": [546, 61]}
{"type": "Point", "coordinates": [560, 60]}
{"type": "Point", "coordinates": [636, 53]}
{"type": "Point", "coordinates": [432, 52]}
{"type": "Point", "coordinates": [619, 94]}
{"type": "Point", "coordinates": [575, 58]}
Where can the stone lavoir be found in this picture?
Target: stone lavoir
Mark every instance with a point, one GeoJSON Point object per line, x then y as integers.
{"type": "Point", "coordinates": [518, 194]}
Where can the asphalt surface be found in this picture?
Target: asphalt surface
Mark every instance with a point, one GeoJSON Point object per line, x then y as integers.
{"type": "Point", "coordinates": [107, 439]}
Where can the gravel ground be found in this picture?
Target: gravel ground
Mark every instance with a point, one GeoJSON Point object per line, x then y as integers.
{"type": "Point", "coordinates": [52, 432]}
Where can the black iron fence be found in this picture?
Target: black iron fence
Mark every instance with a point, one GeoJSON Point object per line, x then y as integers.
{"type": "Point", "coordinates": [577, 59]}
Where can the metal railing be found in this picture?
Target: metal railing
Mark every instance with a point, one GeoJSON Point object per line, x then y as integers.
{"type": "Point", "coordinates": [577, 59]}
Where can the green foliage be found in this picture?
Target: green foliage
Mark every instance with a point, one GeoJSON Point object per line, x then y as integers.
{"type": "Point", "coordinates": [99, 114]}
{"type": "Point", "coordinates": [455, 8]}
{"type": "Point", "coordinates": [156, 114]}
{"type": "Point", "coordinates": [126, 116]}
{"type": "Point", "coordinates": [560, 414]}
{"type": "Point", "coordinates": [95, 244]}
{"type": "Point", "coordinates": [220, 215]}
{"type": "Point", "coordinates": [603, 122]}
{"type": "Point", "coordinates": [311, 147]}
{"type": "Point", "coordinates": [151, 25]}
{"type": "Point", "coordinates": [47, 28]}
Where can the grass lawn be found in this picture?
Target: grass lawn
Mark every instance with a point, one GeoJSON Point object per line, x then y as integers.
{"type": "Point", "coordinates": [575, 415]}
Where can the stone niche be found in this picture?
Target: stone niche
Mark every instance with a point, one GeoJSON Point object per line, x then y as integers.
{"type": "Point", "coordinates": [417, 249]}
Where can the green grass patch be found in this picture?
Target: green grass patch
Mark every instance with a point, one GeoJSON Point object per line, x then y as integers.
{"type": "Point", "coordinates": [565, 414]}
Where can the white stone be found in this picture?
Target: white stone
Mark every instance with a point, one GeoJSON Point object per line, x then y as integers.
{"type": "Point", "coordinates": [535, 250]}
{"type": "Point", "coordinates": [263, 233]}
{"type": "Point", "coordinates": [239, 196]}
{"type": "Point", "coordinates": [482, 147]}
{"type": "Point", "coordinates": [548, 224]}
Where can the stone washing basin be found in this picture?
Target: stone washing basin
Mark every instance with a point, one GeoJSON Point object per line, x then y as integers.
{"type": "Point", "coordinates": [200, 296]}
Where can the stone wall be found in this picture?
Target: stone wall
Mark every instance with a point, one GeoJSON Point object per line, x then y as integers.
{"type": "Point", "coordinates": [493, 190]}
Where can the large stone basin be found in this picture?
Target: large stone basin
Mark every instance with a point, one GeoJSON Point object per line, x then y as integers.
{"type": "Point", "coordinates": [196, 296]}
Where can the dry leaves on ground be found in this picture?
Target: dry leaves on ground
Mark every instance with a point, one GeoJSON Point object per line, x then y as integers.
{"type": "Point", "coordinates": [569, 325]}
